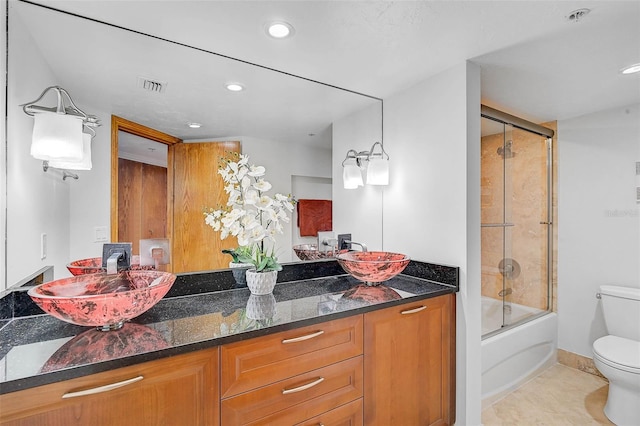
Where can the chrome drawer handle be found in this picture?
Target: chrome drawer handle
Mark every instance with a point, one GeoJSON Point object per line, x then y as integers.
{"type": "Point", "coordinates": [104, 388]}
{"type": "Point", "coordinates": [302, 338]}
{"type": "Point", "coordinates": [303, 387]}
{"type": "Point", "coordinates": [414, 310]}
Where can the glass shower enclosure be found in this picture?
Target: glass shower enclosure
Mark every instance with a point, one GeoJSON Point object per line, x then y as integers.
{"type": "Point", "coordinates": [516, 221]}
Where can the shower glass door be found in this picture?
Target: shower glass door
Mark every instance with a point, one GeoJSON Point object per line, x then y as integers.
{"type": "Point", "coordinates": [515, 216]}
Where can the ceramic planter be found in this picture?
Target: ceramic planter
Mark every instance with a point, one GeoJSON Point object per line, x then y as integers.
{"type": "Point", "coordinates": [261, 307]}
{"type": "Point", "coordinates": [261, 282]}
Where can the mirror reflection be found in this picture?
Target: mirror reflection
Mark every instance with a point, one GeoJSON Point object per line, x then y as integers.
{"type": "Point", "coordinates": [298, 129]}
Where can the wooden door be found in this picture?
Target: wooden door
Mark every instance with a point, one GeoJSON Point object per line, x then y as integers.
{"type": "Point", "coordinates": [198, 186]}
{"type": "Point", "coordinates": [142, 202]}
{"type": "Point", "coordinates": [409, 364]}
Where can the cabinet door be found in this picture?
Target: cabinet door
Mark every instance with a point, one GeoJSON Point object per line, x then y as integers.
{"type": "Point", "coordinates": [180, 390]}
{"type": "Point", "coordinates": [409, 364]}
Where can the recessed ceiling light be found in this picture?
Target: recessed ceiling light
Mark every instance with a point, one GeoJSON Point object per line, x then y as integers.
{"type": "Point", "coordinates": [631, 69]}
{"type": "Point", "coordinates": [235, 87]}
{"type": "Point", "coordinates": [280, 29]}
{"type": "Point", "coordinates": [195, 125]}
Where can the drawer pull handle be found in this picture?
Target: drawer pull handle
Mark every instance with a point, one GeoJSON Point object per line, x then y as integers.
{"type": "Point", "coordinates": [302, 338]}
{"type": "Point", "coordinates": [104, 388]}
{"type": "Point", "coordinates": [414, 310]}
{"type": "Point", "coordinates": [303, 387]}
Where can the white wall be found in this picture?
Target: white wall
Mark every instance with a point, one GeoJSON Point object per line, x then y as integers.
{"type": "Point", "coordinates": [37, 202]}
{"type": "Point", "coordinates": [357, 211]}
{"type": "Point", "coordinates": [3, 143]}
{"type": "Point", "coordinates": [432, 208]}
{"type": "Point", "coordinates": [90, 203]}
{"type": "Point", "coordinates": [599, 219]}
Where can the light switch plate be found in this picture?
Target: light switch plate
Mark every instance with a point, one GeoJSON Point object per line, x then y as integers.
{"type": "Point", "coordinates": [100, 234]}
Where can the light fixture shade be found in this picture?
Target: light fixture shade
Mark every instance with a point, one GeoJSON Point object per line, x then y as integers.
{"type": "Point", "coordinates": [351, 176]}
{"type": "Point", "coordinates": [83, 164]}
{"type": "Point", "coordinates": [57, 137]}
{"type": "Point", "coordinates": [378, 171]}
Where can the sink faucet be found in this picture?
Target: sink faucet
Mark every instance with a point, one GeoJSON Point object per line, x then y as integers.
{"type": "Point", "coordinates": [116, 256]}
{"type": "Point", "coordinates": [112, 262]}
{"type": "Point", "coordinates": [363, 247]}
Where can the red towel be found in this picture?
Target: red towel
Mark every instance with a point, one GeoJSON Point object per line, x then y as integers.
{"type": "Point", "coordinates": [314, 216]}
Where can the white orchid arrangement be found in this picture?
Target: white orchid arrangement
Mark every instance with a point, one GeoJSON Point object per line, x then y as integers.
{"type": "Point", "coordinates": [250, 214]}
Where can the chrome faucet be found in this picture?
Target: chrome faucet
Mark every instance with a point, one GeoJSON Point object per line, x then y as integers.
{"type": "Point", "coordinates": [363, 247]}
{"type": "Point", "coordinates": [112, 262]}
{"type": "Point", "coordinates": [116, 256]}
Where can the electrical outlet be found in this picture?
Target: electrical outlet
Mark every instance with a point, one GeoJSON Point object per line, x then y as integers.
{"type": "Point", "coordinates": [342, 244]}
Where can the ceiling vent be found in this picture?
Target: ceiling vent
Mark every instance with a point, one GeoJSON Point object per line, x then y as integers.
{"type": "Point", "coordinates": [150, 85]}
{"type": "Point", "coordinates": [577, 15]}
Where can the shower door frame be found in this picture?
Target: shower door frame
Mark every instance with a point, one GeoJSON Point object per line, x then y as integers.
{"type": "Point", "coordinates": [522, 124]}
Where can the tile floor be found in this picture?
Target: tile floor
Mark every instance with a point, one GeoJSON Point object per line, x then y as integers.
{"type": "Point", "coordinates": [559, 396]}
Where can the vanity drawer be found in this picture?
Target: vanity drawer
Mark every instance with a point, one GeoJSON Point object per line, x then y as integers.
{"type": "Point", "coordinates": [257, 362]}
{"type": "Point", "coordinates": [298, 398]}
{"type": "Point", "coordinates": [346, 415]}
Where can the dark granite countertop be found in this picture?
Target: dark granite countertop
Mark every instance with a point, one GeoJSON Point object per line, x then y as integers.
{"type": "Point", "coordinates": [202, 310]}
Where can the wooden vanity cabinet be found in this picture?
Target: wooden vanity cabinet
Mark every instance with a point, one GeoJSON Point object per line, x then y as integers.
{"type": "Point", "coordinates": [393, 366]}
{"type": "Point", "coordinates": [179, 390]}
{"type": "Point", "coordinates": [409, 365]}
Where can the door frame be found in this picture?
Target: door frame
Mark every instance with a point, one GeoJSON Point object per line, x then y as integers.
{"type": "Point", "coordinates": [122, 124]}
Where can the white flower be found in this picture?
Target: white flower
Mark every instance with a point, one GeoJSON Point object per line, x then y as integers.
{"type": "Point", "coordinates": [256, 171]}
{"type": "Point", "coordinates": [262, 185]}
{"type": "Point", "coordinates": [251, 197]}
{"type": "Point", "coordinates": [264, 202]}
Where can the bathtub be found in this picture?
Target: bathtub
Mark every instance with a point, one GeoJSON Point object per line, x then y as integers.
{"type": "Point", "coordinates": [517, 354]}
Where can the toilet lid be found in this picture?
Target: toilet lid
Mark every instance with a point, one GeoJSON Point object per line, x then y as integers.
{"type": "Point", "coordinates": [618, 352]}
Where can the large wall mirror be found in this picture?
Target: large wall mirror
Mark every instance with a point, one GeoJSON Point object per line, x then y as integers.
{"type": "Point", "coordinates": [298, 129]}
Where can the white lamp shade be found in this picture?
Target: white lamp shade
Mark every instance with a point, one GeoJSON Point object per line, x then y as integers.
{"type": "Point", "coordinates": [84, 164]}
{"type": "Point", "coordinates": [378, 171]}
{"type": "Point", "coordinates": [351, 176]}
{"type": "Point", "coordinates": [57, 136]}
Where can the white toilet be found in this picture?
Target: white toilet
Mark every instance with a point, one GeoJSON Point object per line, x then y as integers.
{"type": "Point", "coordinates": [617, 355]}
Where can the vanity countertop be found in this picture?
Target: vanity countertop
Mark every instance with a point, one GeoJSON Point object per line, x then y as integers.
{"type": "Point", "coordinates": [202, 310]}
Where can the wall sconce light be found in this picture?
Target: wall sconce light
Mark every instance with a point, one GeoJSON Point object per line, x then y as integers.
{"type": "Point", "coordinates": [59, 136]}
{"type": "Point", "coordinates": [375, 164]}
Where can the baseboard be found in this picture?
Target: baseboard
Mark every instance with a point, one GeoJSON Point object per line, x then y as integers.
{"type": "Point", "coordinates": [579, 362]}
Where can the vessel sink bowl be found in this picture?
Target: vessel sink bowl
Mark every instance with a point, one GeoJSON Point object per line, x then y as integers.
{"type": "Point", "coordinates": [311, 252]}
{"type": "Point", "coordinates": [372, 267]}
{"type": "Point", "coordinates": [101, 300]}
{"type": "Point", "coordinates": [93, 265]}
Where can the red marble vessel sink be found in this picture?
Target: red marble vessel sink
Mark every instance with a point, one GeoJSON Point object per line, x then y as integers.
{"type": "Point", "coordinates": [311, 252]}
{"type": "Point", "coordinates": [372, 267]}
{"type": "Point", "coordinates": [101, 300]}
{"type": "Point", "coordinates": [93, 265]}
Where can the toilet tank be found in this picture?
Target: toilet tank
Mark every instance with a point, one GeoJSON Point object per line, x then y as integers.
{"type": "Point", "coordinates": [621, 308]}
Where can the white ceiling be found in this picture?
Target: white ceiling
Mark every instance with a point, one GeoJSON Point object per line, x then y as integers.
{"type": "Point", "coordinates": [535, 63]}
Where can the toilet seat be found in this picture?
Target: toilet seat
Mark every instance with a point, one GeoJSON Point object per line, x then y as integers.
{"type": "Point", "coordinates": [618, 352]}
